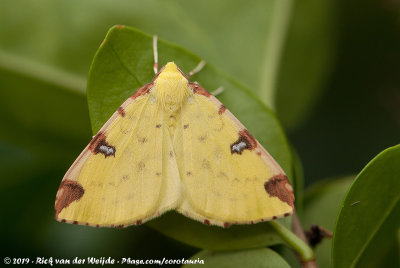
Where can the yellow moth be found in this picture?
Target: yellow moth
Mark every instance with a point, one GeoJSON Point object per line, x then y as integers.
{"type": "Point", "coordinates": [173, 145]}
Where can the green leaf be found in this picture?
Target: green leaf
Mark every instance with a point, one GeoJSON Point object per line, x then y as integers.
{"type": "Point", "coordinates": [124, 63]}
{"type": "Point", "coordinates": [259, 30]}
{"type": "Point", "coordinates": [321, 207]}
{"type": "Point", "coordinates": [260, 257]}
{"type": "Point", "coordinates": [199, 235]}
{"type": "Point", "coordinates": [369, 218]}
{"type": "Point", "coordinates": [288, 254]}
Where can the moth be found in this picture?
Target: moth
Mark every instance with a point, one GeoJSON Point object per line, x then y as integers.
{"type": "Point", "coordinates": [173, 146]}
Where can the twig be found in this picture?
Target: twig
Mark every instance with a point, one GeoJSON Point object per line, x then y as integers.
{"type": "Point", "coordinates": [297, 242]}
{"type": "Point", "coordinates": [298, 230]}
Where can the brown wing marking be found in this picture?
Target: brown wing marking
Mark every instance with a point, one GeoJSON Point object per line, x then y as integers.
{"type": "Point", "coordinates": [100, 145]}
{"type": "Point", "coordinates": [142, 91]}
{"type": "Point", "coordinates": [197, 89]}
{"type": "Point", "coordinates": [70, 191]}
{"type": "Point", "coordinates": [279, 186]}
{"type": "Point", "coordinates": [246, 141]}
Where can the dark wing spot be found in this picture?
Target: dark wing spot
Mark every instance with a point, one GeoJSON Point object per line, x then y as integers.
{"type": "Point", "coordinates": [70, 191]}
{"type": "Point", "coordinates": [222, 174]}
{"type": "Point", "coordinates": [171, 154]}
{"type": "Point", "coordinates": [202, 138]}
{"type": "Point", "coordinates": [279, 186]}
{"type": "Point", "coordinates": [100, 145]}
{"type": "Point", "coordinates": [142, 140]}
{"type": "Point", "coordinates": [219, 126]}
{"type": "Point", "coordinates": [222, 109]}
{"type": "Point", "coordinates": [158, 174]}
{"type": "Point", "coordinates": [158, 125]}
{"type": "Point", "coordinates": [141, 166]}
{"type": "Point", "coordinates": [206, 164]}
{"type": "Point", "coordinates": [246, 141]}
{"type": "Point", "coordinates": [197, 89]}
{"type": "Point", "coordinates": [185, 126]}
{"type": "Point", "coordinates": [121, 111]}
{"type": "Point", "coordinates": [142, 91]}
{"type": "Point", "coordinates": [189, 173]}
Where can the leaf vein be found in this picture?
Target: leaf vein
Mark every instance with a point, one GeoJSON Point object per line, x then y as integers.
{"type": "Point", "coordinates": [125, 66]}
{"type": "Point", "coordinates": [373, 233]}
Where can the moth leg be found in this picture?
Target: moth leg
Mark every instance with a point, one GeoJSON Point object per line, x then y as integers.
{"type": "Point", "coordinates": [218, 91]}
{"type": "Point", "coordinates": [155, 52]}
{"type": "Point", "coordinates": [198, 68]}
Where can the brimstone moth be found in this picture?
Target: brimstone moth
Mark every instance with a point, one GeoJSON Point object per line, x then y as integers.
{"type": "Point", "coordinates": [173, 145]}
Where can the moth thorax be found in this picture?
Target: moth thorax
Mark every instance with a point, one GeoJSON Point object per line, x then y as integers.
{"type": "Point", "coordinates": [171, 87]}
{"type": "Point", "coordinates": [172, 93]}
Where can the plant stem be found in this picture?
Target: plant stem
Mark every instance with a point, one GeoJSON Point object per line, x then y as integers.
{"type": "Point", "coordinates": [298, 230]}
{"type": "Point", "coordinates": [306, 254]}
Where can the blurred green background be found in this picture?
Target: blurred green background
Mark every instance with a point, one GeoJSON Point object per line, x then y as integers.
{"type": "Point", "coordinates": [329, 69]}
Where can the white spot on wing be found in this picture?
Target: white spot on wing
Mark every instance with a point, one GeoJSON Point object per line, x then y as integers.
{"type": "Point", "coordinates": [106, 150]}
{"type": "Point", "coordinates": [239, 147]}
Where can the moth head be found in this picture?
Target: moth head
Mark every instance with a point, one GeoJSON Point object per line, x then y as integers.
{"type": "Point", "coordinates": [171, 85]}
{"type": "Point", "coordinates": [171, 72]}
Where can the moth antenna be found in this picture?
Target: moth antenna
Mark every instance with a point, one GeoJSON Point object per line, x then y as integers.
{"type": "Point", "coordinates": [218, 91]}
{"type": "Point", "coordinates": [198, 68]}
{"type": "Point", "coordinates": [155, 52]}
